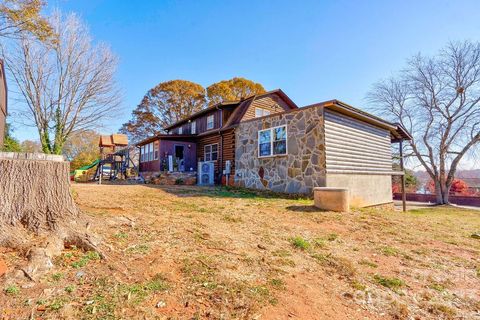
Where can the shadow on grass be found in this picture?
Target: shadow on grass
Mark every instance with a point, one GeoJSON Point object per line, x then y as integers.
{"type": "Point", "coordinates": [305, 208]}
{"type": "Point", "coordinates": [224, 192]}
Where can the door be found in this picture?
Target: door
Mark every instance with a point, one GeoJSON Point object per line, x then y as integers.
{"type": "Point", "coordinates": [180, 157]}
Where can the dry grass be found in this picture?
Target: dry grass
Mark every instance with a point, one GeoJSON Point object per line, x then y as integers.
{"type": "Point", "coordinates": [194, 253]}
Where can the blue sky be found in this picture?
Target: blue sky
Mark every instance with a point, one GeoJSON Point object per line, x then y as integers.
{"type": "Point", "coordinates": [313, 50]}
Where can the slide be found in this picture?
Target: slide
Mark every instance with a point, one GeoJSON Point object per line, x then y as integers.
{"type": "Point", "coordinates": [82, 170]}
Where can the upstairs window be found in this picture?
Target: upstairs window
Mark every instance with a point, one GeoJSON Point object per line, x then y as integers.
{"type": "Point", "coordinates": [210, 121]}
{"type": "Point", "coordinates": [211, 152]}
{"type": "Point", "coordinates": [260, 112]}
{"type": "Point", "coordinates": [272, 142]}
{"type": "Point", "coordinates": [180, 130]}
{"type": "Point", "coordinates": [193, 127]}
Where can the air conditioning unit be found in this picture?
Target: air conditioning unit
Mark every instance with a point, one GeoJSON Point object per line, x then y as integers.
{"type": "Point", "coordinates": [205, 173]}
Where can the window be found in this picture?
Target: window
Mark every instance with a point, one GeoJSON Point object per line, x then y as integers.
{"type": "Point", "coordinates": [180, 130]}
{"type": "Point", "coordinates": [272, 142]}
{"type": "Point", "coordinates": [211, 152]}
{"type": "Point", "coordinates": [264, 143]}
{"type": "Point", "coordinates": [193, 127]}
{"type": "Point", "coordinates": [260, 112]}
{"type": "Point", "coordinates": [155, 150]}
{"type": "Point", "coordinates": [149, 152]}
{"type": "Point", "coordinates": [210, 120]}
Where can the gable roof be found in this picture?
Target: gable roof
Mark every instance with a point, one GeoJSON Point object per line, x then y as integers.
{"type": "Point", "coordinates": [398, 132]}
{"type": "Point", "coordinates": [239, 112]}
{"type": "Point", "coordinates": [113, 140]}
{"type": "Point", "coordinates": [240, 106]}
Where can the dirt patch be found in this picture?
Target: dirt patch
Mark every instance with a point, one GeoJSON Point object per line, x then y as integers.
{"type": "Point", "coordinates": [192, 253]}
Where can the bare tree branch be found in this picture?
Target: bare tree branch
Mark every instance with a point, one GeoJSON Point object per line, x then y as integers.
{"type": "Point", "coordinates": [67, 85]}
{"type": "Point", "coordinates": [438, 100]}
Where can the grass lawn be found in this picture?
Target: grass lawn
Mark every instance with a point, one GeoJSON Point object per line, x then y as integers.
{"type": "Point", "coordinates": [195, 253]}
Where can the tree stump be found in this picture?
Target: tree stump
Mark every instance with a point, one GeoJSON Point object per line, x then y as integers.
{"type": "Point", "coordinates": [37, 211]}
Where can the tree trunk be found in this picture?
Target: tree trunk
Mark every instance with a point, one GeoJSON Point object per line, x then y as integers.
{"type": "Point", "coordinates": [37, 212]}
{"type": "Point", "coordinates": [35, 194]}
{"type": "Point", "coordinates": [442, 192]}
{"type": "Point", "coordinates": [445, 196]}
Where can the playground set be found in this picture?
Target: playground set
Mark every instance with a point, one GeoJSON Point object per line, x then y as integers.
{"type": "Point", "coordinates": [116, 162]}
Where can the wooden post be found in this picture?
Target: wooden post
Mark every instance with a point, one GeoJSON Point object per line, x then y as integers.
{"type": "Point", "coordinates": [404, 194]}
{"type": "Point", "coordinates": [101, 173]}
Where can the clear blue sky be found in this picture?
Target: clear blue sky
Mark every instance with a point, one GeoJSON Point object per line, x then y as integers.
{"type": "Point", "coordinates": [313, 50]}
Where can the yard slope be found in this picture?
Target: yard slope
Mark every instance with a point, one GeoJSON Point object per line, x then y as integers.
{"type": "Point", "coordinates": [194, 253]}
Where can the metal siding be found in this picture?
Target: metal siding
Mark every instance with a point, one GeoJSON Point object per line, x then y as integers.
{"type": "Point", "coordinates": [355, 146]}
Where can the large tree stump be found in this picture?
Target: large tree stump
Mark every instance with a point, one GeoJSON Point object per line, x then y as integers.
{"type": "Point", "coordinates": [35, 193]}
{"type": "Point", "coordinates": [37, 211]}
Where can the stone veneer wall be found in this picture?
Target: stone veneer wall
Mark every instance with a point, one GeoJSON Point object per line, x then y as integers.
{"type": "Point", "coordinates": [302, 169]}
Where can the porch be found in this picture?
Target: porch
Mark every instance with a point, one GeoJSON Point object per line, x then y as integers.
{"type": "Point", "coordinates": [168, 153]}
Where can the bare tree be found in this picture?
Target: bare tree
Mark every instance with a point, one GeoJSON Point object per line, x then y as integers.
{"type": "Point", "coordinates": [438, 100]}
{"type": "Point", "coordinates": [67, 85]}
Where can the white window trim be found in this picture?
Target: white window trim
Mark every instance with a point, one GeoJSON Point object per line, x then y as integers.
{"type": "Point", "coordinates": [212, 116]}
{"type": "Point", "coordinates": [263, 112]}
{"type": "Point", "coordinates": [205, 152]}
{"type": "Point", "coordinates": [271, 142]}
{"type": "Point", "coordinates": [193, 127]}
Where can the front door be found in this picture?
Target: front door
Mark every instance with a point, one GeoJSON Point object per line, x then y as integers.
{"type": "Point", "coordinates": [180, 157]}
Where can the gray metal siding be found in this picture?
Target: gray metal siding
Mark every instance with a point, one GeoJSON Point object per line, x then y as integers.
{"type": "Point", "coordinates": [355, 146]}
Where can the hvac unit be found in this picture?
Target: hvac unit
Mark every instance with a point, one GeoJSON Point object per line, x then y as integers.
{"type": "Point", "coordinates": [205, 173]}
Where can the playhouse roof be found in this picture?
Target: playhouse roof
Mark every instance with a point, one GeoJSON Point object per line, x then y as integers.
{"type": "Point", "coordinates": [113, 140]}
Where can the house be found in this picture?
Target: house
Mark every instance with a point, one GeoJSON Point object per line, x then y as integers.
{"type": "Point", "coordinates": [272, 144]}
{"type": "Point", "coordinates": [3, 102]}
